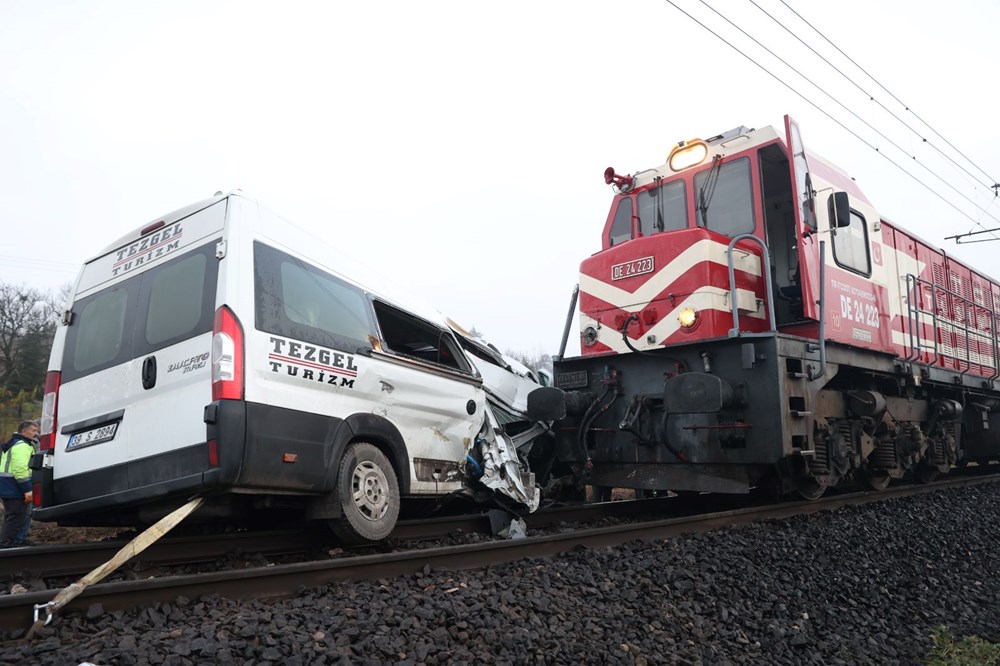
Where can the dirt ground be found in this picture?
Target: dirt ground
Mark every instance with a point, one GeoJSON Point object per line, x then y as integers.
{"type": "Point", "coordinates": [50, 533]}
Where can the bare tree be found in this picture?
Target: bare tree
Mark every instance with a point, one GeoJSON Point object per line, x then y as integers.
{"type": "Point", "coordinates": [536, 361]}
{"type": "Point", "coordinates": [27, 323]}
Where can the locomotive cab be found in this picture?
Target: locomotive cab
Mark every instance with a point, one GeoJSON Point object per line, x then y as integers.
{"type": "Point", "coordinates": [684, 220]}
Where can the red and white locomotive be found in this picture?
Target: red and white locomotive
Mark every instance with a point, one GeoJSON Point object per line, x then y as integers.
{"type": "Point", "coordinates": [751, 320]}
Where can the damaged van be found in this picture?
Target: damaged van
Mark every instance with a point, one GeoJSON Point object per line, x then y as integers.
{"type": "Point", "coordinates": [221, 351]}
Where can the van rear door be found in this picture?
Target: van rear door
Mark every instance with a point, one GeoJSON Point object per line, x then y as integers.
{"type": "Point", "coordinates": [135, 368]}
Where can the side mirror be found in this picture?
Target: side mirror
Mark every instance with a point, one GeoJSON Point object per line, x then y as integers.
{"type": "Point", "coordinates": [840, 210]}
{"type": "Point", "coordinates": [546, 403]}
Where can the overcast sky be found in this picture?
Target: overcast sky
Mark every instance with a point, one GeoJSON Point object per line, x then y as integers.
{"type": "Point", "coordinates": [459, 146]}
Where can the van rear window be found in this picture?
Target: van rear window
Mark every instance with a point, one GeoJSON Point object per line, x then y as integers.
{"type": "Point", "coordinates": [175, 299]}
{"type": "Point", "coordinates": [101, 329]}
{"type": "Point", "coordinates": [160, 307]}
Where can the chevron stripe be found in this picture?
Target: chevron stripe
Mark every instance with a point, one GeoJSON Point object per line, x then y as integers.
{"type": "Point", "coordinates": [704, 250]}
{"type": "Point", "coordinates": [703, 299]}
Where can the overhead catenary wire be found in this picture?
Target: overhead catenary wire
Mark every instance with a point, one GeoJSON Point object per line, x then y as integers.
{"type": "Point", "coordinates": [871, 96]}
{"type": "Point", "coordinates": [825, 113]}
{"type": "Point", "coordinates": [990, 184]}
{"type": "Point", "coordinates": [848, 110]}
{"type": "Point", "coordinates": [36, 261]}
{"type": "Point", "coordinates": [44, 269]}
{"type": "Point", "coordinates": [993, 181]}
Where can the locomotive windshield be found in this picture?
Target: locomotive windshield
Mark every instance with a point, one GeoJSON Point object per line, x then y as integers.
{"type": "Point", "coordinates": [725, 197]}
{"type": "Point", "coordinates": [662, 208]}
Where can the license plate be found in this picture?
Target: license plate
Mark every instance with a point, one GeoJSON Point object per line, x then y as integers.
{"type": "Point", "coordinates": [91, 437]}
{"type": "Point", "coordinates": [630, 268]}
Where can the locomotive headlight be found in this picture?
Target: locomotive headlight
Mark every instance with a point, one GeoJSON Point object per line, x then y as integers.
{"type": "Point", "coordinates": [687, 317]}
{"type": "Point", "coordinates": [687, 154]}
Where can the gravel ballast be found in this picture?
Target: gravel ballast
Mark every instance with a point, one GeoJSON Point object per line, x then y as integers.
{"type": "Point", "coordinates": [863, 584]}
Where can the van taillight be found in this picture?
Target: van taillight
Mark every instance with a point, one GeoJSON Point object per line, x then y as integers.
{"type": "Point", "coordinates": [227, 356]}
{"type": "Point", "coordinates": [36, 494]}
{"type": "Point", "coordinates": [47, 427]}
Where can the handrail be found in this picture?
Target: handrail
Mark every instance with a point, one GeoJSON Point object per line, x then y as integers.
{"type": "Point", "coordinates": [569, 322]}
{"type": "Point", "coordinates": [822, 314]}
{"type": "Point", "coordinates": [996, 344]}
{"type": "Point", "coordinates": [913, 317]}
{"type": "Point", "coordinates": [765, 268]}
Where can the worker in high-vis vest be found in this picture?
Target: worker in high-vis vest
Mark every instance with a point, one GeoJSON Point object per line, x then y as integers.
{"type": "Point", "coordinates": [15, 482]}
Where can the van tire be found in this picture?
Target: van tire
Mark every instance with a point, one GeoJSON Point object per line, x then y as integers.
{"type": "Point", "coordinates": [368, 492]}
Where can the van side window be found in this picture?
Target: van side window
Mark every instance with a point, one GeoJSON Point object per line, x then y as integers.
{"type": "Point", "coordinates": [300, 301]}
{"type": "Point", "coordinates": [410, 336]}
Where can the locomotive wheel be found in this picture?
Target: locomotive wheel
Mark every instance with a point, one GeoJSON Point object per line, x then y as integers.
{"type": "Point", "coordinates": [368, 493]}
{"type": "Point", "coordinates": [874, 480]}
{"type": "Point", "coordinates": [811, 490]}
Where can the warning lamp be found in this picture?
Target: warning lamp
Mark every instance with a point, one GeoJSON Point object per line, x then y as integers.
{"type": "Point", "coordinates": [687, 318]}
{"type": "Point", "coordinates": [687, 154]}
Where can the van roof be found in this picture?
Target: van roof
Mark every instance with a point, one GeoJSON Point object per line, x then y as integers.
{"type": "Point", "coordinates": [355, 271]}
{"type": "Point", "coordinates": [136, 233]}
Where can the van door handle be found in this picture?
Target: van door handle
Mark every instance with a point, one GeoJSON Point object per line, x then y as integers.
{"type": "Point", "coordinates": [149, 372]}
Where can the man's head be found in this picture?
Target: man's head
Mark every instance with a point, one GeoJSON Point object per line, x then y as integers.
{"type": "Point", "coordinates": [29, 429]}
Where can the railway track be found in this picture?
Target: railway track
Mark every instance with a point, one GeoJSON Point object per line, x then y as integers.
{"type": "Point", "coordinates": [16, 611]}
{"type": "Point", "coordinates": [60, 561]}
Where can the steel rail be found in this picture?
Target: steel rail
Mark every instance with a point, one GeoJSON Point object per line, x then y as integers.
{"type": "Point", "coordinates": [65, 560]}
{"type": "Point", "coordinates": [16, 611]}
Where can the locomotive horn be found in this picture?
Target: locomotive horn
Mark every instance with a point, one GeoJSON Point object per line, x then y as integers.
{"type": "Point", "coordinates": [623, 183]}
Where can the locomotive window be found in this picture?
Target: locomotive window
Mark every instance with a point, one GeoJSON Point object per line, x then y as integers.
{"type": "Point", "coordinates": [662, 208]}
{"type": "Point", "coordinates": [724, 198]}
{"type": "Point", "coordinates": [621, 227]}
{"type": "Point", "coordinates": [850, 246]}
{"type": "Point", "coordinates": [803, 184]}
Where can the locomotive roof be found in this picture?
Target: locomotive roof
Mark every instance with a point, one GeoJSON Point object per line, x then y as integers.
{"type": "Point", "coordinates": [743, 138]}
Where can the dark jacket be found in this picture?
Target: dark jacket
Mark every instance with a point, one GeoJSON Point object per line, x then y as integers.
{"type": "Point", "coordinates": [15, 477]}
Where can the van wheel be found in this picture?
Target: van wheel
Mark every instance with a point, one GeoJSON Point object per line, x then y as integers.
{"type": "Point", "coordinates": [368, 493]}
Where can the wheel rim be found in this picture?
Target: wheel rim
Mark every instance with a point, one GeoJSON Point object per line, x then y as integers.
{"type": "Point", "coordinates": [812, 490]}
{"type": "Point", "coordinates": [369, 490]}
{"type": "Point", "coordinates": [875, 480]}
